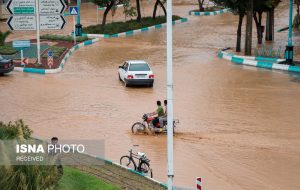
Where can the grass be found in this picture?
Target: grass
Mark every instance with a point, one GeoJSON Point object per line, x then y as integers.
{"type": "Point", "coordinates": [64, 38]}
{"type": "Point", "coordinates": [7, 49]}
{"type": "Point", "coordinates": [76, 180]}
{"type": "Point", "coordinates": [119, 27]}
{"type": "Point", "coordinates": [57, 51]}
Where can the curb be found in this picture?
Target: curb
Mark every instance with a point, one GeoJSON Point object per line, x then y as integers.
{"type": "Point", "coordinates": [129, 169]}
{"type": "Point", "coordinates": [132, 32]}
{"type": "Point", "coordinates": [261, 62]}
{"type": "Point", "coordinates": [212, 13]}
{"type": "Point", "coordinates": [62, 63]}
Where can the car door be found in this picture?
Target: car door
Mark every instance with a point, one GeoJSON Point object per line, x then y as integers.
{"type": "Point", "coordinates": [123, 70]}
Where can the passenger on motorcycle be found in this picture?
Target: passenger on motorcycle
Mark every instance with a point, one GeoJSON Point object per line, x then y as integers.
{"type": "Point", "coordinates": [159, 112]}
{"type": "Point", "coordinates": [163, 118]}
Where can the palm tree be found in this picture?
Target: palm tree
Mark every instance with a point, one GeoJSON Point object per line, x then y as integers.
{"type": "Point", "coordinates": [3, 36]}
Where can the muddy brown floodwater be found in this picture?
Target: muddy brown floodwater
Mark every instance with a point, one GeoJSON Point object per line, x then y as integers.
{"type": "Point", "coordinates": [239, 126]}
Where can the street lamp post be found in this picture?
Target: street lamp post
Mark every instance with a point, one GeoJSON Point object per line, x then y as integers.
{"type": "Point", "coordinates": [170, 93]}
{"type": "Point", "coordinates": [290, 48]}
{"type": "Point", "coordinates": [78, 27]}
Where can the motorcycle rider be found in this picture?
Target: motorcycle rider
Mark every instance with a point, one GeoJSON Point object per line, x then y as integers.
{"type": "Point", "coordinates": [159, 112]}
{"type": "Point", "coordinates": [163, 118]}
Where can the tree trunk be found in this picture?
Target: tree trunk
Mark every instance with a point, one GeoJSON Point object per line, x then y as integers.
{"type": "Point", "coordinates": [201, 8]}
{"type": "Point", "coordinates": [108, 8]}
{"type": "Point", "coordinates": [248, 39]}
{"type": "Point", "coordinates": [154, 10]}
{"type": "Point", "coordinates": [297, 17]}
{"type": "Point", "coordinates": [138, 8]}
{"type": "Point", "coordinates": [239, 32]}
{"type": "Point", "coordinates": [259, 27]}
{"type": "Point", "coordinates": [270, 25]}
{"type": "Point", "coordinates": [163, 7]}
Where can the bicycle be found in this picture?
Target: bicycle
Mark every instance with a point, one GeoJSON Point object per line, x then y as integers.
{"type": "Point", "coordinates": [143, 162]}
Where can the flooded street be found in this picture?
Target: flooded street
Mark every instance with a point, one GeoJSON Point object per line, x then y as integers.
{"type": "Point", "coordinates": [239, 126]}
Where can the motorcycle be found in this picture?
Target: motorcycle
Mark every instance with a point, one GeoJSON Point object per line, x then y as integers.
{"type": "Point", "coordinates": [147, 126]}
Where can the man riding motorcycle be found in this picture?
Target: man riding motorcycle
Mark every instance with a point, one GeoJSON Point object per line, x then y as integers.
{"type": "Point", "coordinates": [159, 112]}
{"type": "Point", "coordinates": [163, 119]}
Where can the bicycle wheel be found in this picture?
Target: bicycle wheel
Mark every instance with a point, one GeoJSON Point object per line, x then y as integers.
{"type": "Point", "coordinates": [127, 161]}
{"type": "Point", "coordinates": [145, 169]}
{"type": "Point", "coordinates": [138, 127]}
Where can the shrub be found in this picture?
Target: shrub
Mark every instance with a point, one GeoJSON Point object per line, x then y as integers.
{"type": "Point", "coordinates": [64, 38]}
{"type": "Point", "coordinates": [57, 51]}
{"type": "Point", "coordinates": [3, 36]}
{"type": "Point", "coordinates": [265, 51]}
{"type": "Point", "coordinates": [118, 27]}
{"type": "Point", "coordinates": [7, 49]}
{"type": "Point", "coordinates": [13, 130]}
{"type": "Point", "coordinates": [23, 177]}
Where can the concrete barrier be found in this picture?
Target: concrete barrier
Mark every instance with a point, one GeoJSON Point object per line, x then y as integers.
{"type": "Point", "coordinates": [212, 13]}
{"type": "Point", "coordinates": [261, 62]}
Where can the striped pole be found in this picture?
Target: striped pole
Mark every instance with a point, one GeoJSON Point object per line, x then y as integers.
{"type": "Point", "coordinates": [199, 183]}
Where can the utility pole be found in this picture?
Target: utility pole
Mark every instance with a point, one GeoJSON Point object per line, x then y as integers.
{"type": "Point", "coordinates": [170, 93]}
{"type": "Point", "coordinates": [248, 40]}
{"type": "Point", "coordinates": [38, 43]}
{"type": "Point", "coordinates": [289, 51]}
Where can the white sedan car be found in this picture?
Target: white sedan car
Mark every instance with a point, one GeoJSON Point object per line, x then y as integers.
{"type": "Point", "coordinates": [136, 72]}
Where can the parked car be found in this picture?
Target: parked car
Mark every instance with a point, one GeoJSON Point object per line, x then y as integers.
{"type": "Point", "coordinates": [6, 65]}
{"type": "Point", "coordinates": [136, 72]}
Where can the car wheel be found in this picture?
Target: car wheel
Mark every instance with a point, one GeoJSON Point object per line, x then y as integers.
{"type": "Point", "coordinates": [151, 85]}
{"type": "Point", "coordinates": [120, 77]}
{"type": "Point", "coordinates": [126, 85]}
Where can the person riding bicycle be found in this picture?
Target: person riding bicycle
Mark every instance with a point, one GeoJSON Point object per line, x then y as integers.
{"type": "Point", "coordinates": [163, 118]}
{"type": "Point", "coordinates": [159, 112]}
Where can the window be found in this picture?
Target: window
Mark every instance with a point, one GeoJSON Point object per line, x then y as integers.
{"type": "Point", "coordinates": [125, 66]}
{"type": "Point", "coordinates": [139, 67]}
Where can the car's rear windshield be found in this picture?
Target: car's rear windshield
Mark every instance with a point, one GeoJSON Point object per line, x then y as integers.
{"type": "Point", "coordinates": [139, 67]}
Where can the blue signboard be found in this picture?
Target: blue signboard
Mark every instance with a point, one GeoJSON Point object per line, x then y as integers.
{"type": "Point", "coordinates": [73, 10]}
{"type": "Point", "coordinates": [21, 44]}
{"type": "Point", "coordinates": [50, 54]}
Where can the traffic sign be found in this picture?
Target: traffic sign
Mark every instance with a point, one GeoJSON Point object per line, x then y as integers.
{"type": "Point", "coordinates": [24, 61]}
{"type": "Point", "coordinates": [28, 6]}
{"type": "Point", "coordinates": [50, 53]}
{"type": "Point", "coordinates": [52, 22]}
{"type": "Point", "coordinates": [21, 43]}
{"type": "Point", "coordinates": [23, 22]}
{"type": "Point", "coordinates": [51, 6]}
{"type": "Point", "coordinates": [47, 22]}
{"type": "Point", "coordinates": [21, 6]}
{"type": "Point", "coordinates": [50, 59]}
{"type": "Point", "coordinates": [73, 10]}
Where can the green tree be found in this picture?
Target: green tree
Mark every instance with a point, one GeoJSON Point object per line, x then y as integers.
{"type": "Point", "coordinates": [3, 36]}
{"type": "Point", "coordinates": [261, 6]}
{"type": "Point", "coordinates": [238, 7]}
{"type": "Point", "coordinates": [161, 3]}
{"type": "Point", "coordinates": [108, 4]}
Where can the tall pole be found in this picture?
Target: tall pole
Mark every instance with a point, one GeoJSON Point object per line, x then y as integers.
{"type": "Point", "coordinates": [78, 25]}
{"type": "Point", "coordinates": [38, 43]}
{"type": "Point", "coordinates": [170, 93]}
{"type": "Point", "coordinates": [290, 48]}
